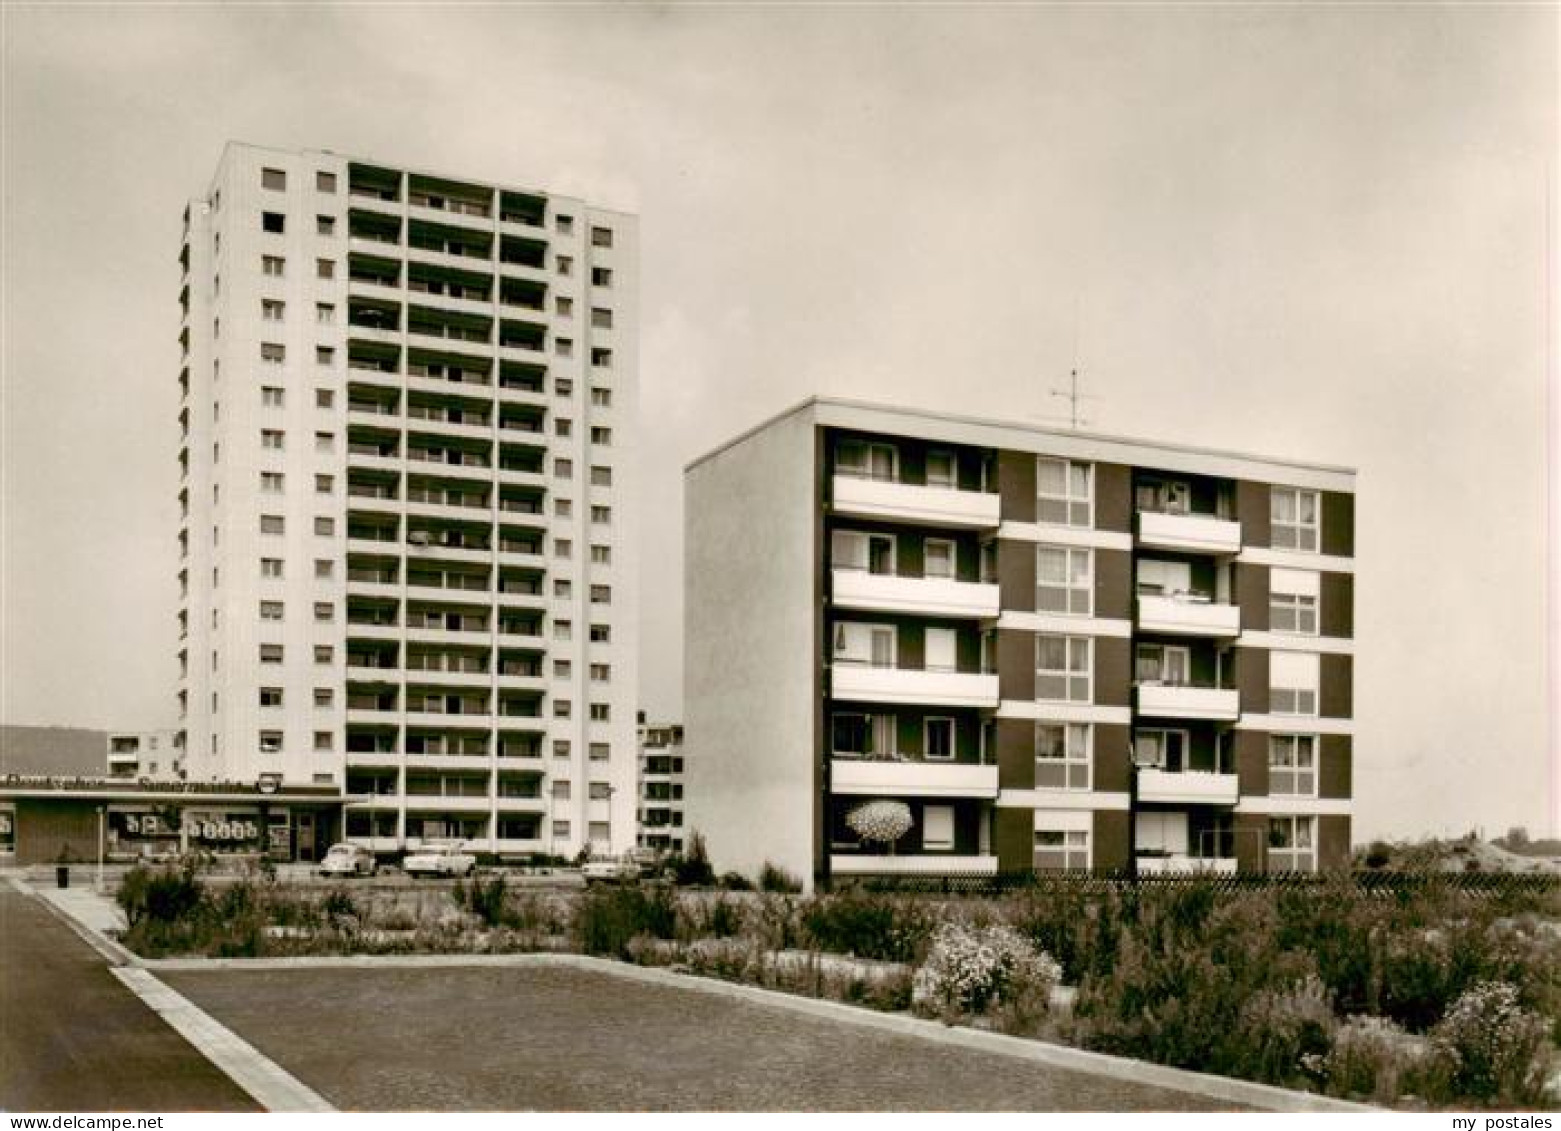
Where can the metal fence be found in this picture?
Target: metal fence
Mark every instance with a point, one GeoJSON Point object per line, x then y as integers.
{"type": "Point", "coordinates": [1382, 881]}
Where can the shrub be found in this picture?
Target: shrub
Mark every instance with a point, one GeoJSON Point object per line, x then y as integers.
{"type": "Point", "coordinates": [1281, 1033]}
{"type": "Point", "coordinates": [692, 868]}
{"type": "Point", "coordinates": [774, 878]}
{"type": "Point", "coordinates": [736, 881]}
{"type": "Point", "coordinates": [486, 900]}
{"type": "Point", "coordinates": [869, 926]}
{"type": "Point", "coordinates": [1371, 1058]}
{"type": "Point", "coordinates": [163, 895]}
{"type": "Point", "coordinates": [1496, 1049]}
{"type": "Point", "coordinates": [608, 918]}
{"type": "Point", "coordinates": [970, 969]}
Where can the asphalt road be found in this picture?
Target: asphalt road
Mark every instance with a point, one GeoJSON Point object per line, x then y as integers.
{"type": "Point", "coordinates": [513, 1038]}
{"type": "Point", "coordinates": [72, 1038]}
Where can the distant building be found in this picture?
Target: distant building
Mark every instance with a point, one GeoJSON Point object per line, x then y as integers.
{"type": "Point", "coordinates": [51, 750]}
{"type": "Point", "coordinates": [661, 781]}
{"type": "Point", "coordinates": [1047, 649]}
{"type": "Point", "coordinates": [155, 755]}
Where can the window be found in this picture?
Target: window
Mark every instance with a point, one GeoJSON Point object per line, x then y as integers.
{"type": "Point", "coordinates": [324, 355]}
{"type": "Point", "coordinates": [1164, 664]}
{"type": "Point", "coordinates": [270, 653]}
{"type": "Point", "coordinates": [272, 524]}
{"type": "Point", "coordinates": [601, 237]}
{"type": "Point", "coordinates": [324, 398]}
{"type": "Point", "coordinates": [1162, 749]}
{"type": "Point", "coordinates": [273, 179]}
{"type": "Point", "coordinates": [565, 225]}
{"type": "Point", "coordinates": [601, 555]}
{"type": "Point", "coordinates": [324, 525]}
{"type": "Point", "coordinates": [563, 548]}
{"type": "Point", "coordinates": [600, 791]}
{"type": "Point", "coordinates": [1063, 582]}
{"type": "Point", "coordinates": [1293, 519]}
{"type": "Point", "coordinates": [562, 669]}
{"type": "Point", "coordinates": [325, 268]}
{"type": "Point", "coordinates": [271, 396]}
{"type": "Point", "coordinates": [602, 436]}
{"type": "Point", "coordinates": [271, 610]}
{"type": "Point", "coordinates": [324, 654]}
{"type": "Point", "coordinates": [561, 830]}
{"type": "Point", "coordinates": [272, 310]}
{"type": "Point", "coordinates": [601, 398]}
{"type": "Point", "coordinates": [273, 222]}
{"type": "Point", "coordinates": [271, 567]}
{"type": "Point", "coordinates": [271, 481]}
{"type": "Point", "coordinates": [1164, 579]}
{"type": "Point", "coordinates": [270, 696]}
{"type": "Point", "coordinates": [1062, 668]}
{"type": "Point", "coordinates": [270, 742]}
{"type": "Point", "coordinates": [560, 748]}
{"type": "Point", "coordinates": [325, 313]}
{"type": "Point", "coordinates": [273, 353]}
{"type": "Point", "coordinates": [325, 182]}
{"type": "Point", "coordinates": [324, 568]}
{"type": "Point", "coordinates": [325, 441]}
{"type": "Point", "coordinates": [562, 587]}
{"type": "Point", "coordinates": [601, 594]}
{"type": "Point", "coordinates": [1292, 765]}
{"type": "Point", "coordinates": [273, 438]}
{"type": "Point", "coordinates": [322, 741]}
{"type": "Point", "coordinates": [601, 357]}
{"type": "Point", "coordinates": [564, 305]}
{"type": "Point", "coordinates": [869, 644]}
{"type": "Point", "coordinates": [601, 673]}
{"type": "Point", "coordinates": [1292, 844]}
{"type": "Point", "coordinates": [937, 828]}
{"type": "Point", "coordinates": [1063, 491]}
{"type": "Point", "coordinates": [601, 318]}
{"type": "Point", "coordinates": [563, 630]}
{"type": "Point", "coordinates": [862, 736]}
{"type": "Point", "coordinates": [324, 697]}
{"type": "Point", "coordinates": [566, 265]}
{"type": "Point", "coordinates": [601, 276]}
{"type": "Point", "coordinates": [1293, 681]}
{"type": "Point", "coordinates": [563, 468]}
{"type": "Point", "coordinates": [324, 484]}
{"type": "Point", "coordinates": [1062, 755]}
{"type": "Point", "coordinates": [601, 515]}
{"type": "Point", "coordinates": [325, 225]}
{"type": "Point", "coordinates": [938, 738]}
{"type": "Point", "coordinates": [1292, 601]}
{"type": "Point", "coordinates": [272, 265]}
{"type": "Point", "coordinates": [561, 708]}
{"type": "Point", "coordinates": [941, 469]}
{"type": "Point", "coordinates": [866, 461]}
{"type": "Point", "coordinates": [601, 713]}
{"type": "Point", "coordinates": [601, 476]}
{"type": "Point", "coordinates": [1061, 850]}
{"type": "Point", "coordinates": [561, 790]}
{"type": "Point", "coordinates": [563, 426]}
{"type": "Point", "coordinates": [324, 611]}
{"type": "Point", "coordinates": [564, 347]}
{"type": "Point", "coordinates": [563, 386]}
{"type": "Point", "coordinates": [600, 752]}
{"type": "Point", "coordinates": [601, 634]}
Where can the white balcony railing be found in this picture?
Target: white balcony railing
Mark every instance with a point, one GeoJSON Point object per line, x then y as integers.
{"type": "Point", "coordinates": [1178, 701]}
{"type": "Point", "coordinates": [1188, 787]}
{"type": "Point", "coordinates": [901, 685]}
{"type": "Point", "coordinates": [1186, 615]}
{"type": "Point", "coordinates": [912, 779]}
{"type": "Point", "coordinates": [929, 596]}
{"type": "Point", "coordinates": [921, 864]}
{"type": "Point", "coordinates": [1200, 533]}
{"type": "Point", "coordinates": [911, 502]}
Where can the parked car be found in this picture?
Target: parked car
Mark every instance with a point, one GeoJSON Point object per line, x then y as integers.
{"type": "Point", "coordinates": [439, 860]}
{"type": "Point", "coordinates": [610, 872]}
{"type": "Point", "coordinates": [348, 860]}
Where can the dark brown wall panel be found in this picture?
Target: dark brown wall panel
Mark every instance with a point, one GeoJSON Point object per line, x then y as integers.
{"type": "Point", "coordinates": [1111, 758]}
{"type": "Point", "coordinates": [1113, 666]}
{"type": "Point", "coordinates": [1014, 837]}
{"type": "Point", "coordinates": [1337, 676]}
{"type": "Point", "coordinates": [1110, 846]}
{"type": "Point", "coordinates": [1251, 841]}
{"type": "Point", "coordinates": [1338, 524]}
{"type": "Point", "coordinates": [1015, 664]}
{"type": "Point", "coordinates": [1015, 754]}
{"type": "Point", "coordinates": [1252, 595]}
{"type": "Point", "coordinates": [1016, 486]}
{"type": "Point", "coordinates": [1252, 763]}
{"type": "Point", "coordinates": [1337, 617]}
{"type": "Point", "coordinates": [1016, 575]}
{"type": "Point", "coordinates": [43, 829]}
{"type": "Point", "coordinates": [1114, 584]}
{"type": "Point", "coordinates": [1253, 510]}
{"type": "Point", "coordinates": [1113, 497]}
{"type": "Point", "coordinates": [1336, 767]}
{"type": "Point", "coordinates": [1333, 842]}
{"type": "Point", "coordinates": [1252, 680]}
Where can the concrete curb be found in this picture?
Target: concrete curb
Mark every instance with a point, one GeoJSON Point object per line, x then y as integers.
{"type": "Point", "coordinates": [1221, 1088]}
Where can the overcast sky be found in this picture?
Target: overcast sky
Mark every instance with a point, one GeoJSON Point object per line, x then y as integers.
{"type": "Point", "coordinates": [1309, 232]}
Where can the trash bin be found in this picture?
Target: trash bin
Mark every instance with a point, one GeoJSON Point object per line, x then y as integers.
{"type": "Point", "coordinates": [62, 875]}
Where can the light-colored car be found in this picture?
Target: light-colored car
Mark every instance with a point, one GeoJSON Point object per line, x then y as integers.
{"type": "Point", "coordinates": [610, 872]}
{"type": "Point", "coordinates": [439, 860]}
{"type": "Point", "coordinates": [348, 860]}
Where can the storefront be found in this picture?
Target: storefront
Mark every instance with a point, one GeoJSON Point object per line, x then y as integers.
{"type": "Point", "coordinates": [45, 819]}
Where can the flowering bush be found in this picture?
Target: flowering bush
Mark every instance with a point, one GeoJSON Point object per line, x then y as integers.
{"type": "Point", "coordinates": [885, 821]}
{"type": "Point", "coordinates": [971, 969]}
{"type": "Point", "coordinates": [1372, 1058]}
{"type": "Point", "coordinates": [1493, 1048]}
{"type": "Point", "coordinates": [1282, 1030]}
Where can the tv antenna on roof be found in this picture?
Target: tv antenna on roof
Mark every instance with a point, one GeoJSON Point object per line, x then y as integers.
{"type": "Point", "coordinates": [1074, 397]}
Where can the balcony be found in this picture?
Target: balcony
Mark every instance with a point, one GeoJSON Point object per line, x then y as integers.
{"type": "Point", "coordinates": [447, 803]}
{"type": "Point", "coordinates": [862, 683]}
{"type": "Point", "coordinates": [851, 864]}
{"type": "Point", "coordinates": [912, 502]}
{"type": "Point", "coordinates": [1187, 787]}
{"type": "Point", "coordinates": [925, 596]}
{"type": "Point", "coordinates": [912, 779]}
{"type": "Point", "coordinates": [1196, 533]}
{"type": "Point", "coordinates": [1184, 701]}
{"type": "Point", "coordinates": [1180, 865]}
{"type": "Point", "coordinates": [1187, 615]}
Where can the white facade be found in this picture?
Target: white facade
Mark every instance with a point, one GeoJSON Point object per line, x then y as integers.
{"type": "Point", "coordinates": [407, 558]}
{"type": "Point", "coordinates": [154, 754]}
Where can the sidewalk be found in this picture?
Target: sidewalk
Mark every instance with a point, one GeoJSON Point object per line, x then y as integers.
{"type": "Point", "coordinates": [95, 911]}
